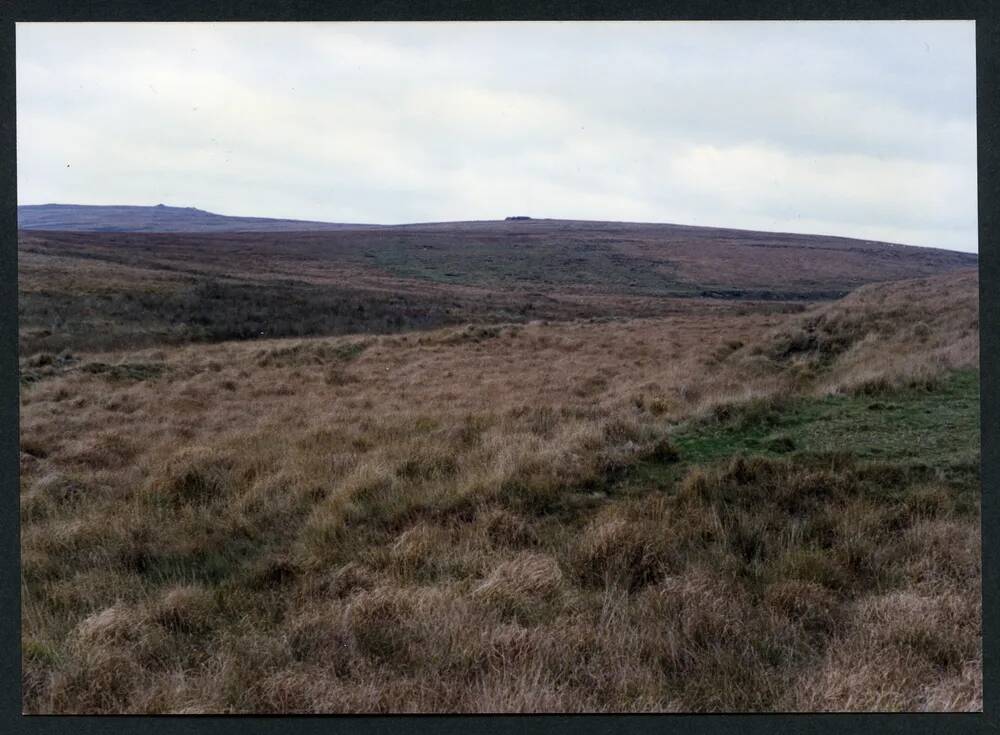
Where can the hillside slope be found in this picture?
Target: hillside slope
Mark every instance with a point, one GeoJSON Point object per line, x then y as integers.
{"type": "Point", "coordinates": [100, 289]}
{"type": "Point", "coordinates": [160, 218]}
{"type": "Point", "coordinates": [619, 257]}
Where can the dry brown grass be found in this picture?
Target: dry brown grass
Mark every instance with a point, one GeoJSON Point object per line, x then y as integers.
{"type": "Point", "coordinates": [886, 335]}
{"type": "Point", "coordinates": [438, 529]}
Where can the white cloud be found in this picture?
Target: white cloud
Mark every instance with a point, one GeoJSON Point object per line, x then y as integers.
{"type": "Point", "coordinates": [863, 129]}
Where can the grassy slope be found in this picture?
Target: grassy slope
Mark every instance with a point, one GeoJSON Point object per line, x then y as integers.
{"type": "Point", "coordinates": [578, 516]}
{"type": "Point", "coordinates": [928, 428]}
{"type": "Point", "coordinates": [82, 292]}
{"type": "Point", "coordinates": [937, 426]}
{"type": "Point", "coordinates": [98, 291]}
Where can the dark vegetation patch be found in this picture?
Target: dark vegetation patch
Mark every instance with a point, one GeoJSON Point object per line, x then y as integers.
{"type": "Point", "coordinates": [311, 353]}
{"type": "Point", "coordinates": [42, 365]}
{"type": "Point", "coordinates": [218, 310]}
{"type": "Point", "coordinates": [479, 333]}
{"type": "Point", "coordinates": [142, 289]}
{"type": "Point", "coordinates": [125, 371]}
{"type": "Point", "coordinates": [504, 262]}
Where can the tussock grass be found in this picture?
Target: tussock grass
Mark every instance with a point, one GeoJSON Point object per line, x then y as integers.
{"type": "Point", "coordinates": [562, 517]}
{"type": "Point", "coordinates": [521, 585]}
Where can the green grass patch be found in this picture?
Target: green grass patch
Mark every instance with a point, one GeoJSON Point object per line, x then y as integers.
{"type": "Point", "coordinates": [930, 432]}
{"type": "Point", "coordinates": [935, 427]}
{"type": "Point", "coordinates": [518, 262]}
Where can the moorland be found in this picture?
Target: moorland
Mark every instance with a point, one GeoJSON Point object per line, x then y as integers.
{"type": "Point", "coordinates": [532, 465]}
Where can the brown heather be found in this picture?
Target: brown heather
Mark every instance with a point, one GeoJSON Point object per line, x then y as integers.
{"type": "Point", "coordinates": [431, 522]}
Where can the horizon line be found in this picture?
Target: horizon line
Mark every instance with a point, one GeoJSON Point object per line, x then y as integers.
{"type": "Point", "coordinates": [521, 218]}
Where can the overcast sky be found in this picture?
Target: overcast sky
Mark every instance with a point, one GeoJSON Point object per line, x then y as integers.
{"type": "Point", "coordinates": [846, 128]}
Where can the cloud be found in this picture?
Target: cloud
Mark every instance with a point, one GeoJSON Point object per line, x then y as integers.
{"type": "Point", "coordinates": [858, 129]}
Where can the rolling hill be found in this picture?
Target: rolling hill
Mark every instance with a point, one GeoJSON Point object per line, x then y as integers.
{"type": "Point", "coordinates": [161, 218]}
{"type": "Point", "coordinates": [118, 288]}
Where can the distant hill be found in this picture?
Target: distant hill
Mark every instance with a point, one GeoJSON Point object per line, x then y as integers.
{"type": "Point", "coordinates": [231, 284]}
{"type": "Point", "coordinates": [161, 218]}
{"type": "Point", "coordinates": [589, 268]}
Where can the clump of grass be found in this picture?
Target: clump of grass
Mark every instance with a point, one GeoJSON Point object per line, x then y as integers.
{"type": "Point", "coordinates": [197, 476]}
{"type": "Point", "coordinates": [273, 571]}
{"type": "Point", "coordinates": [624, 549]}
{"type": "Point", "coordinates": [416, 553]}
{"type": "Point", "coordinates": [504, 528]}
{"type": "Point", "coordinates": [187, 609]}
{"type": "Point", "coordinates": [880, 385]}
{"type": "Point", "coordinates": [128, 371]}
{"type": "Point", "coordinates": [663, 451]}
{"type": "Point", "coordinates": [522, 586]}
{"type": "Point", "coordinates": [113, 623]}
{"type": "Point", "coordinates": [897, 641]}
{"type": "Point", "coordinates": [337, 376]}
{"type": "Point", "coordinates": [312, 353]}
{"type": "Point", "coordinates": [806, 604]}
{"type": "Point", "coordinates": [428, 464]}
{"type": "Point", "coordinates": [781, 443]}
{"type": "Point", "coordinates": [475, 333]}
{"type": "Point", "coordinates": [382, 625]}
{"type": "Point", "coordinates": [350, 578]}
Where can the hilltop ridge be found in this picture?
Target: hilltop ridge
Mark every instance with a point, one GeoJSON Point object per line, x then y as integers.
{"type": "Point", "coordinates": [159, 218]}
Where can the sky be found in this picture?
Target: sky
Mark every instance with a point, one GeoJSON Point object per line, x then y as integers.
{"type": "Point", "coordinates": [861, 129]}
